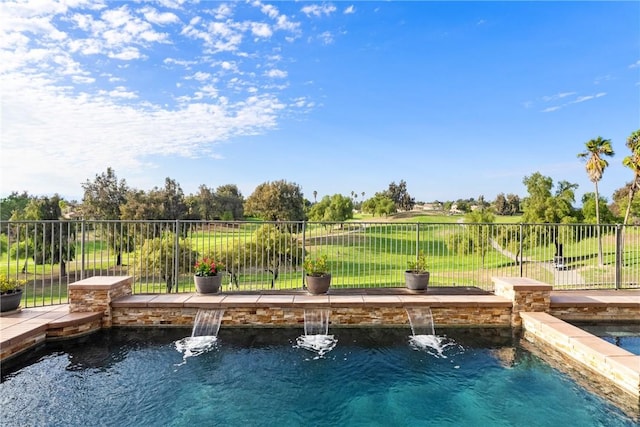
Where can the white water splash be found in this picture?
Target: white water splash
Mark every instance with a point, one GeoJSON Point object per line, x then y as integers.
{"type": "Point", "coordinates": [432, 344]}
{"type": "Point", "coordinates": [195, 346]}
{"type": "Point", "coordinates": [319, 344]}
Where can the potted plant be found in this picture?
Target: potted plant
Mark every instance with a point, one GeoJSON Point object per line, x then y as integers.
{"type": "Point", "coordinates": [318, 278]}
{"type": "Point", "coordinates": [416, 276]}
{"type": "Point", "coordinates": [10, 293]}
{"type": "Point", "coordinates": [206, 277]}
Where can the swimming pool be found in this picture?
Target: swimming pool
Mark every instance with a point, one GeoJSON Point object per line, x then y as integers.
{"type": "Point", "coordinates": [261, 377]}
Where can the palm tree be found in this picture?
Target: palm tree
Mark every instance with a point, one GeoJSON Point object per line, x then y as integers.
{"type": "Point", "coordinates": [633, 163]}
{"type": "Point", "coordinates": [315, 195]}
{"type": "Point", "coordinates": [597, 149]}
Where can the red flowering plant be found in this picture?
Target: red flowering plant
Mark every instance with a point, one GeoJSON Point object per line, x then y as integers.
{"type": "Point", "coordinates": [207, 267]}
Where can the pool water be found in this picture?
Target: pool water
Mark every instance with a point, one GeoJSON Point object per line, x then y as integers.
{"type": "Point", "coordinates": [262, 377]}
{"type": "Point", "coordinates": [626, 336]}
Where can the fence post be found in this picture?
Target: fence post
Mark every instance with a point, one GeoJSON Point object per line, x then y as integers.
{"type": "Point", "coordinates": [82, 239]}
{"type": "Point", "coordinates": [619, 254]}
{"type": "Point", "coordinates": [176, 253]}
{"type": "Point", "coordinates": [304, 251]}
{"type": "Point", "coordinates": [417, 240]}
{"type": "Point", "coordinates": [520, 249]}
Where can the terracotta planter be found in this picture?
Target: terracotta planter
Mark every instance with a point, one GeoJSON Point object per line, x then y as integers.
{"type": "Point", "coordinates": [416, 281]}
{"type": "Point", "coordinates": [318, 285]}
{"type": "Point", "coordinates": [11, 301]}
{"type": "Point", "coordinates": [207, 284]}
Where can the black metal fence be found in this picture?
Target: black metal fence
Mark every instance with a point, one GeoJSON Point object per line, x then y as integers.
{"type": "Point", "coordinates": [160, 255]}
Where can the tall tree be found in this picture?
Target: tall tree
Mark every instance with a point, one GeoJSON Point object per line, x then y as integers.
{"type": "Point", "coordinates": [334, 208]}
{"type": "Point", "coordinates": [172, 199]}
{"type": "Point", "coordinates": [276, 201]}
{"type": "Point", "coordinates": [542, 205]}
{"type": "Point", "coordinates": [632, 162]}
{"type": "Point", "coordinates": [500, 204]}
{"type": "Point", "coordinates": [229, 202]}
{"type": "Point", "coordinates": [104, 196]}
{"type": "Point", "coordinates": [597, 150]}
{"type": "Point", "coordinates": [480, 237]}
{"type": "Point", "coordinates": [53, 239]}
{"type": "Point", "coordinates": [589, 210]}
{"type": "Point", "coordinates": [102, 201]}
{"type": "Point", "coordinates": [400, 196]}
{"type": "Point", "coordinates": [205, 203]}
{"type": "Point", "coordinates": [380, 204]}
{"type": "Point", "coordinates": [14, 202]}
{"type": "Point", "coordinates": [513, 202]}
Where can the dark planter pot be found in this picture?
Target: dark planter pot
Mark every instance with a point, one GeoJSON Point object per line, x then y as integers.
{"type": "Point", "coordinates": [208, 284]}
{"type": "Point", "coordinates": [10, 302]}
{"type": "Point", "coordinates": [318, 285]}
{"type": "Point", "coordinates": [416, 281]}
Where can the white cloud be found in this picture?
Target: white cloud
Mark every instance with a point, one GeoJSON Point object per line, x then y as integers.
{"type": "Point", "coordinates": [349, 10]}
{"type": "Point", "coordinates": [557, 96]}
{"type": "Point", "coordinates": [122, 92]}
{"type": "Point", "coordinates": [78, 136]}
{"type": "Point", "coordinates": [587, 97]}
{"type": "Point", "coordinates": [326, 37]}
{"type": "Point", "coordinates": [577, 100]}
{"type": "Point", "coordinates": [318, 10]}
{"type": "Point", "coordinates": [230, 66]}
{"type": "Point", "coordinates": [201, 76]}
{"type": "Point", "coordinates": [126, 54]}
{"type": "Point", "coordinates": [550, 109]}
{"type": "Point", "coordinates": [223, 11]}
{"type": "Point", "coordinates": [274, 73]}
{"type": "Point", "coordinates": [153, 16]}
{"type": "Point", "coordinates": [73, 103]}
{"type": "Point", "coordinates": [283, 23]}
{"type": "Point", "coordinates": [82, 80]}
{"type": "Point", "coordinates": [635, 65]}
{"type": "Point", "coordinates": [261, 30]}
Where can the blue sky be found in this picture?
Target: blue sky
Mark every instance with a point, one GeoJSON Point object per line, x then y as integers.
{"type": "Point", "coordinates": [459, 99]}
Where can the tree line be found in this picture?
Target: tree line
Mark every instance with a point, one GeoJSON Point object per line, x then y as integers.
{"type": "Point", "coordinates": [107, 197]}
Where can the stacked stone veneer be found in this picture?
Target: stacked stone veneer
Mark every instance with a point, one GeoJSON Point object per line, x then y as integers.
{"type": "Point", "coordinates": [288, 310]}
{"type": "Point", "coordinates": [96, 294]}
{"type": "Point", "coordinates": [527, 295]}
{"type": "Point", "coordinates": [575, 308]}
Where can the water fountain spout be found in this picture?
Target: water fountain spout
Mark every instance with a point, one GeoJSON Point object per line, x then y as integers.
{"type": "Point", "coordinates": [204, 334]}
{"type": "Point", "coordinates": [316, 336]}
{"type": "Point", "coordinates": [423, 334]}
{"type": "Point", "coordinates": [207, 323]}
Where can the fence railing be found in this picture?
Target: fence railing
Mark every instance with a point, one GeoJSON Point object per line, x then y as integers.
{"type": "Point", "coordinates": [160, 255]}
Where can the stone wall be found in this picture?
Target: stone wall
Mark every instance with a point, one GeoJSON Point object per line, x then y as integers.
{"type": "Point", "coordinates": [294, 317]}
{"type": "Point", "coordinates": [528, 295]}
{"type": "Point", "coordinates": [96, 294]}
{"type": "Point", "coordinates": [604, 313]}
